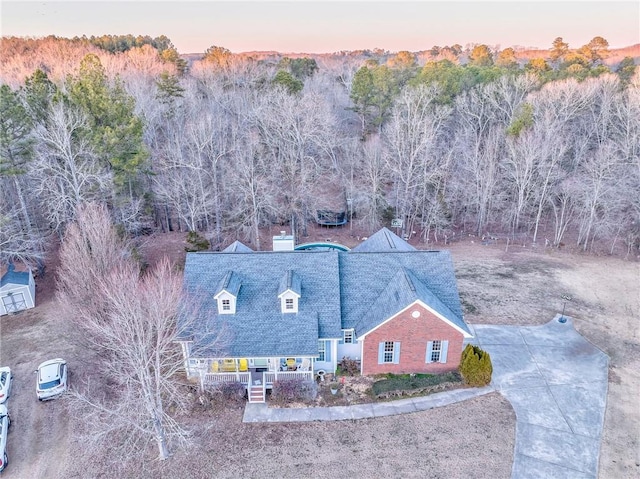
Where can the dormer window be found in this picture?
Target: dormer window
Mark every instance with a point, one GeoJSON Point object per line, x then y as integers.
{"type": "Point", "coordinates": [289, 292]}
{"type": "Point", "coordinates": [227, 294]}
{"type": "Point", "coordinates": [289, 302]}
{"type": "Point", "coordinates": [226, 303]}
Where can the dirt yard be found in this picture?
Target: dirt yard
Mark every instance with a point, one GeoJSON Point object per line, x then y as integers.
{"type": "Point", "coordinates": [472, 439]}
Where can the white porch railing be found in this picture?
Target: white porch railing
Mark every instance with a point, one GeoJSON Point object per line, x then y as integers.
{"type": "Point", "coordinates": [271, 376]}
{"type": "Point", "coordinates": [245, 377]}
{"type": "Point", "coordinates": [209, 378]}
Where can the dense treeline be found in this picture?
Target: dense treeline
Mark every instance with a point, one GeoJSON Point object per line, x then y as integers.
{"type": "Point", "coordinates": [122, 43]}
{"type": "Point", "coordinates": [465, 140]}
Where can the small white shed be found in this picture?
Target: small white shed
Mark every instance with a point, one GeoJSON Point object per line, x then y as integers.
{"type": "Point", "coordinates": [17, 291]}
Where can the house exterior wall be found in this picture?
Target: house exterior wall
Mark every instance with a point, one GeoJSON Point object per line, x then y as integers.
{"type": "Point", "coordinates": [351, 351]}
{"type": "Point", "coordinates": [330, 362]}
{"type": "Point", "coordinates": [413, 334]}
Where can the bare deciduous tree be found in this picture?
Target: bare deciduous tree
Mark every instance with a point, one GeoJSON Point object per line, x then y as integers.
{"type": "Point", "coordinates": [479, 146]}
{"type": "Point", "coordinates": [512, 152]}
{"type": "Point", "coordinates": [366, 180]}
{"type": "Point", "coordinates": [131, 320]}
{"type": "Point", "coordinates": [413, 157]}
{"type": "Point", "coordinates": [296, 135]}
{"type": "Point", "coordinates": [556, 108]}
{"type": "Point", "coordinates": [16, 244]}
{"type": "Point", "coordinates": [599, 177]}
{"type": "Point", "coordinates": [66, 171]}
{"type": "Point", "coordinates": [253, 196]}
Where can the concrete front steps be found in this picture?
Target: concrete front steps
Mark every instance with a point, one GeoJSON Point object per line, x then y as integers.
{"type": "Point", "coordinates": [256, 394]}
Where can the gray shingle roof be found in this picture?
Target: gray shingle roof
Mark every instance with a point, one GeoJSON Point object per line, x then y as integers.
{"type": "Point", "coordinates": [383, 240]}
{"type": "Point", "coordinates": [375, 285]}
{"type": "Point", "coordinates": [290, 281]}
{"type": "Point", "coordinates": [230, 283]}
{"type": "Point", "coordinates": [259, 328]}
{"type": "Point", "coordinates": [355, 289]}
{"type": "Point", "coordinates": [237, 247]}
{"type": "Point", "coordinates": [403, 289]}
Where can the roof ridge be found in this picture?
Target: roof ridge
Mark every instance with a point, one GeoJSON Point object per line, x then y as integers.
{"type": "Point", "coordinates": [389, 238]}
{"type": "Point", "coordinates": [407, 277]}
{"type": "Point", "coordinates": [227, 279]}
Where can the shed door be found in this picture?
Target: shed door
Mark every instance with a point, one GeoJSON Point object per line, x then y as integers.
{"type": "Point", "coordinates": [14, 302]}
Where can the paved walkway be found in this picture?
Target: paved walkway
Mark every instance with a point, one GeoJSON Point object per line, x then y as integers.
{"type": "Point", "coordinates": [555, 380]}
{"type": "Point", "coordinates": [259, 412]}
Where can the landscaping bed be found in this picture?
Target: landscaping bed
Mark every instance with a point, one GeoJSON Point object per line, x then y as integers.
{"type": "Point", "coordinates": [349, 390]}
{"type": "Point", "coordinates": [404, 385]}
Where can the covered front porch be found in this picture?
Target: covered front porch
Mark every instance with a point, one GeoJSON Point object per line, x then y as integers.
{"type": "Point", "coordinates": [258, 374]}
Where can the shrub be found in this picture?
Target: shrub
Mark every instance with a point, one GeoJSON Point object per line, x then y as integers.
{"type": "Point", "coordinates": [349, 367]}
{"type": "Point", "coordinates": [294, 390]}
{"type": "Point", "coordinates": [219, 394]}
{"type": "Point", "coordinates": [232, 391]}
{"type": "Point", "coordinates": [196, 242]}
{"type": "Point", "coordinates": [412, 383]}
{"type": "Point", "coordinates": [475, 366]}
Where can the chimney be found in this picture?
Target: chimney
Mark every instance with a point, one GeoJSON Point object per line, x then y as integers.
{"type": "Point", "coordinates": [283, 242]}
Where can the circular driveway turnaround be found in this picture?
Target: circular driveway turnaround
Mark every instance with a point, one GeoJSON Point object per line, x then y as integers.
{"type": "Point", "coordinates": [556, 382]}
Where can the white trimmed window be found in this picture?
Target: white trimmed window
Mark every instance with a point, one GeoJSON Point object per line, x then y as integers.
{"type": "Point", "coordinates": [226, 303]}
{"type": "Point", "coordinates": [437, 351]}
{"type": "Point", "coordinates": [389, 352]}
{"type": "Point", "coordinates": [348, 336]}
{"type": "Point", "coordinates": [289, 302]}
{"type": "Point", "coordinates": [322, 351]}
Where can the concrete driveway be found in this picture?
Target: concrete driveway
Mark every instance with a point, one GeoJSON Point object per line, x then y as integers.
{"type": "Point", "coordinates": [556, 382]}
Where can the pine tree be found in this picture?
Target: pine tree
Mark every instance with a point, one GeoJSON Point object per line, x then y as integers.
{"type": "Point", "coordinates": [114, 130]}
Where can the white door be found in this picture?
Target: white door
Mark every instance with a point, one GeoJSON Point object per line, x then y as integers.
{"type": "Point", "coordinates": [14, 302]}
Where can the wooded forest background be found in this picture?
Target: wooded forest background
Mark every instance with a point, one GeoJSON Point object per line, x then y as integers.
{"type": "Point", "coordinates": [541, 148]}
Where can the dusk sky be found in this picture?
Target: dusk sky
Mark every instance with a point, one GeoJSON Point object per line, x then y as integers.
{"type": "Point", "coordinates": [329, 26]}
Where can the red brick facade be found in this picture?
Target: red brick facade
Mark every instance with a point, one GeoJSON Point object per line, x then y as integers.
{"type": "Point", "coordinates": [413, 335]}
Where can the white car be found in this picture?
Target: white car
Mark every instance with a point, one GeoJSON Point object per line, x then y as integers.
{"type": "Point", "coordinates": [5, 383]}
{"type": "Point", "coordinates": [52, 379]}
{"type": "Point", "coordinates": [5, 422]}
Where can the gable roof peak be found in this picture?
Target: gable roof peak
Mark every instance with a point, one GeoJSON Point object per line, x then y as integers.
{"type": "Point", "coordinates": [237, 247]}
{"type": "Point", "coordinates": [383, 240]}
